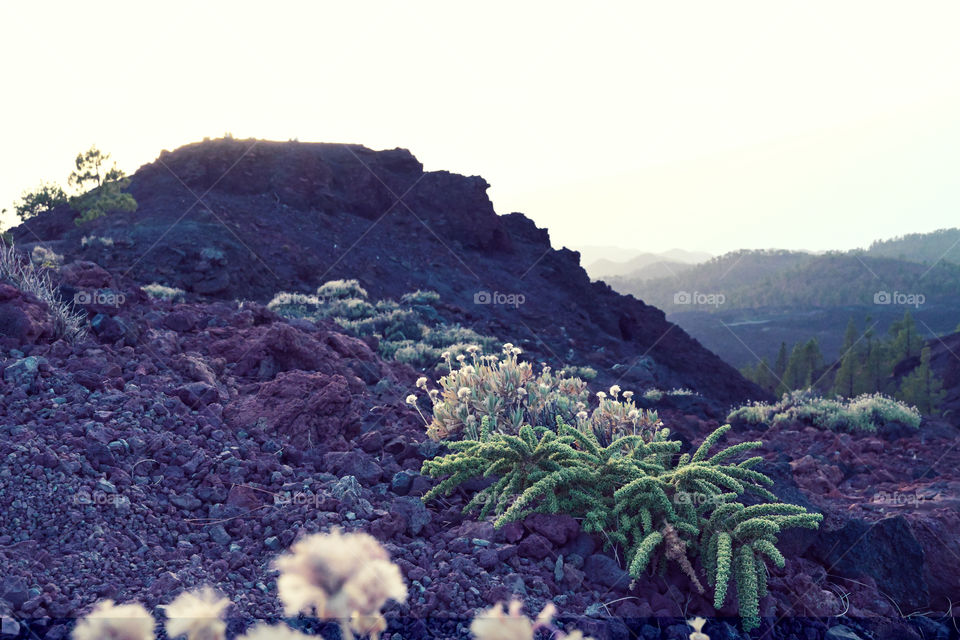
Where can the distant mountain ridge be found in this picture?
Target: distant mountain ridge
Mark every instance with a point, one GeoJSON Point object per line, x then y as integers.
{"type": "Point", "coordinates": [639, 265]}
{"type": "Point", "coordinates": [743, 304]}
{"type": "Point", "coordinates": [926, 248]}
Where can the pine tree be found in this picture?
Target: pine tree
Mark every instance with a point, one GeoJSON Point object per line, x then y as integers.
{"type": "Point", "coordinates": [906, 344]}
{"type": "Point", "coordinates": [765, 376]}
{"type": "Point", "coordinates": [101, 190]}
{"type": "Point", "coordinates": [843, 382]}
{"type": "Point", "coordinates": [798, 371]}
{"type": "Point", "coordinates": [867, 373]}
{"type": "Point", "coordinates": [780, 368]}
{"type": "Point", "coordinates": [922, 388]}
{"type": "Point", "coordinates": [813, 361]}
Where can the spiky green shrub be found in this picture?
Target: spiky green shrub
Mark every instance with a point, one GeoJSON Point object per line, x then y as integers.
{"type": "Point", "coordinates": [416, 354]}
{"type": "Point", "coordinates": [162, 292]}
{"type": "Point", "coordinates": [864, 413]}
{"type": "Point", "coordinates": [584, 373]}
{"type": "Point", "coordinates": [411, 330]}
{"type": "Point", "coordinates": [657, 507]}
{"type": "Point", "coordinates": [37, 279]}
{"type": "Point", "coordinates": [420, 297]}
{"type": "Point", "coordinates": [295, 305]}
{"type": "Point", "coordinates": [45, 258]}
{"type": "Point", "coordinates": [349, 308]}
{"type": "Point", "coordinates": [336, 289]}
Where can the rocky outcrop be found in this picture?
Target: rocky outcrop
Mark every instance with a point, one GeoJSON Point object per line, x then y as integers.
{"type": "Point", "coordinates": [288, 216]}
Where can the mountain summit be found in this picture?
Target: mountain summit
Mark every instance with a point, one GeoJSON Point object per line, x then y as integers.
{"type": "Point", "coordinates": [244, 219]}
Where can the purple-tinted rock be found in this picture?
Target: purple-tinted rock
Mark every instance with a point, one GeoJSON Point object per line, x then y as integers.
{"type": "Point", "coordinates": [558, 528]}
{"type": "Point", "coordinates": [604, 570]}
{"type": "Point", "coordinates": [535, 546]}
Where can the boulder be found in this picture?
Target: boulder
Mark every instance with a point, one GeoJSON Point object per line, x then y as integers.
{"type": "Point", "coordinates": [305, 408]}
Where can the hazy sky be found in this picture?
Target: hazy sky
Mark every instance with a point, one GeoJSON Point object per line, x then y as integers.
{"type": "Point", "coordinates": [702, 125]}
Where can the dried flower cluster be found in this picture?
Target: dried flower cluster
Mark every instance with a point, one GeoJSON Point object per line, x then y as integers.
{"type": "Point", "coordinates": [510, 394]}
{"type": "Point", "coordinates": [197, 615]}
{"type": "Point", "coordinates": [264, 631]}
{"type": "Point", "coordinates": [343, 577]}
{"type": "Point", "coordinates": [497, 623]}
{"type": "Point", "coordinates": [110, 621]}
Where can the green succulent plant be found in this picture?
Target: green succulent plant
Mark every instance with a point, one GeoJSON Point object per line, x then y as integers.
{"type": "Point", "coordinates": [658, 507]}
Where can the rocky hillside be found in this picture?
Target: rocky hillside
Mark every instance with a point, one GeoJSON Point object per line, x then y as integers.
{"type": "Point", "coordinates": [190, 443]}
{"type": "Point", "coordinates": [244, 219]}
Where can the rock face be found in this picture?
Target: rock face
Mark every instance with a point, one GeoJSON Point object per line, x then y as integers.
{"type": "Point", "coordinates": [308, 409]}
{"type": "Point", "coordinates": [23, 318]}
{"type": "Point", "coordinates": [885, 550]}
{"type": "Point", "coordinates": [290, 216]}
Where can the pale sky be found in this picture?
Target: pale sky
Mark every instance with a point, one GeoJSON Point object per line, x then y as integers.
{"type": "Point", "coordinates": [707, 126]}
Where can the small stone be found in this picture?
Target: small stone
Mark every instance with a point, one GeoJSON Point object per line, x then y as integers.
{"type": "Point", "coordinates": [9, 627]}
{"type": "Point", "coordinates": [186, 501]}
{"type": "Point", "coordinates": [273, 543]}
{"type": "Point", "coordinates": [401, 482]}
{"type": "Point", "coordinates": [841, 632]}
{"type": "Point", "coordinates": [219, 535]}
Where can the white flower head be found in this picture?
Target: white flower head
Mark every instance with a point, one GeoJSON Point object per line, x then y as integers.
{"type": "Point", "coordinates": [614, 390]}
{"type": "Point", "coordinates": [634, 414]}
{"type": "Point", "coordinates": [496, 624]}
{"type": "Point", "coordinates": [422, 382]}
{"type": "Point", "coordinates": [337, 575]}
{"type": "Point", "coordinates": [697, 625]}
{"type": "Point", "coordinates": [445, 355]}
{"type": "Point", "coordinates": [582, 415]}
{"type": "Point", "coordinates": [627, 395]}
{"type": "Point", "coordinates": [601, 395]}
{"type": "Point", "coordinates": [473, 349]}
{"type": "Point", "coordinates": [118, 622]}
{"type": "Point", "coordinates": [545, 617]}
{"type": "Point", "coordinates": [461, 358]}
{"type": "Point", "coordinates": [463, 392]}
{"type": "Point", "coordinates": [508, 347]}
{"type": "Point", "coordinates": [516, 351]}
{"type": "Point", "coordinates": [197, 615]}
{"type": "Point", "coordinates": [411, 399]}
{"type": "Point", "coordinates": [264, 631]}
